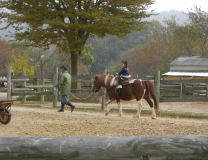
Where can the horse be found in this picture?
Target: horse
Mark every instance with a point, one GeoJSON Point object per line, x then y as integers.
{"type": "Point", "coordinates": [137, 90]}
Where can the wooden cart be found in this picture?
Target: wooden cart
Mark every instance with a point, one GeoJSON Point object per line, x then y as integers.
{"type": "Point", "coordinates": [5, 115]}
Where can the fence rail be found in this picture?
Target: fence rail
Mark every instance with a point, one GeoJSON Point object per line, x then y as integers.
{"type": "Point", "coordinates": [44, 84]}
{"type": "Point", "coordinates": [184, 90]}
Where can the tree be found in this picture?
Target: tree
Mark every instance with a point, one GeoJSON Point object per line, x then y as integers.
{"type": "Point", "coordinates": [144, 60]}
{"type": "Point", "coordinates": [199, 19]}
{"type": "Point", "coordinates": [68, 24]}
{"type": "Point", "coordinates": [45, 60]}
{"type": "Point", "coordinates": [111, 49]}
{"type": "Point", "coordinates": [87, 59]}
{"type": "Point", "coordinates": [5, 54]}
{"type": "Point", "coordinates": [21, 62]}
{"type": "Point", "coordinates": [179, 41]}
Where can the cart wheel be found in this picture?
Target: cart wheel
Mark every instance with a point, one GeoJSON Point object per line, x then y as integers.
{"type": "Point", "coordinates": [4, 117]}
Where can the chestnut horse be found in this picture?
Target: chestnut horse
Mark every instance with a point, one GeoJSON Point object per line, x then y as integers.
{"type": "Point", "coordinates": [137, 90]}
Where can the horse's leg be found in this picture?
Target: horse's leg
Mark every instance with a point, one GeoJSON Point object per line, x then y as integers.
{"type": "Point", "coordinates": [106, 105]}
{"type": "Point", "coordinates": [119, 108]}
{"type": "Point", "coordinates": [139, 100]}
{"type": "Point", "coordinates": [147, 98]}
{"type": "Point", "coordinates": [139, 109]}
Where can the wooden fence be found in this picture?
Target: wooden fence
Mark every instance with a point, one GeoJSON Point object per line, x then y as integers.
{"type": "Point", "coordinates": [42, 85]}
{"type": "Point", "coordinates": [184, 90]}
{"type": "Point", "coordinates": [166, 90]}
{"type": "Point", "coordinates": [27, 85]}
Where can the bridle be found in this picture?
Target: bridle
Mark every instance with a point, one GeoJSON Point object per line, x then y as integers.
{"type": "Point", "coordinates": [96, 88]}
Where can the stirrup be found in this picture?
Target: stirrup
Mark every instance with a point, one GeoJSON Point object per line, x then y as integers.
{"type": "Point", "coordinates": [118, 90]}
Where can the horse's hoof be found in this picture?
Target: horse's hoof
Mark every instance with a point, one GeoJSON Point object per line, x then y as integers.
{"type": "Point", "coordinates": [136, 117]}
{"type": "Point", "coordinates": [119, 115]}
{"type": "Point", "coordinates": [153, 117]}
{"type": "Point", "coordinates": [106, 114]}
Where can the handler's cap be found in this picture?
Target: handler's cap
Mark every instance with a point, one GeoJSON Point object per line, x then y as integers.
{"type": "Point", "coordinates": [64, 67]}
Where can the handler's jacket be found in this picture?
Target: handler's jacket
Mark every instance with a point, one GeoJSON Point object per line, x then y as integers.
{"type": "Point", "coordinates": [64, 83]}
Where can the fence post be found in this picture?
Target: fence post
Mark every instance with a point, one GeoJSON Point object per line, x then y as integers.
{"type": "Point", "coordinates": [181, 88]}
{"type": "Point", "coordinates": [39, 83]}
{"type": "Point", "coordinates": [42, 83]}
{"type": "Point", "coordinates": [12, 83]}
{"type": "Point", "coordinates": [23, 86]}
{"type": "Point", "coordinates": [103, 93]}
{"type": "Point", "coordinates": [9, 74]}
{"type": "Point", "coordinates": [55, 90]}
{"type": "Point", "coordinates": [157, 86]}
{"type": "Point", "coordinates": [207, 90]}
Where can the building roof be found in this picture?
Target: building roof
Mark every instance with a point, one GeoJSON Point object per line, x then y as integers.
{"type": "Point", "coordinates": [190, 61]}
{"type": "Point", "coordinates": [186, 74]}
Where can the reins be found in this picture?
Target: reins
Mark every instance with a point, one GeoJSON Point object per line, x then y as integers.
{"type": "Point", "coordinates": [81, 98]}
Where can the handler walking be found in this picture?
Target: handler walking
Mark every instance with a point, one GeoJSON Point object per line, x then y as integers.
{"type": "Point", "coordinates": [65, 86]}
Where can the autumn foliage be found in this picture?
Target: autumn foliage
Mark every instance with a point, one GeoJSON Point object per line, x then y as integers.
{"type": "Point", "coordinates": [69, 23]}
{"type": "Point", "coordinates": [20, 62]}
{"type": "Point", "coordinates": [144, 60]}
{"type": "Point", "coordinates": [5, 54]}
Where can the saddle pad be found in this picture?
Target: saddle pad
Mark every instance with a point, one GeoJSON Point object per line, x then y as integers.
{"type": "Point", "coordinates": [130, 82]}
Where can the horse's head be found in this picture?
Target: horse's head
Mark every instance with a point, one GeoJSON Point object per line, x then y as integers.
{"type": "Point", "coordinates": [96, 86]}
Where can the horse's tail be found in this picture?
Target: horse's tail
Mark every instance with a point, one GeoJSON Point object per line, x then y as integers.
{"type": "Point", "coordinates": [150, 88]}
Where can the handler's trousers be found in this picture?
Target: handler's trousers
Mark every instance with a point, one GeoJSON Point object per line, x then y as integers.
{"type": "Point", "coordinates": [64, 100]}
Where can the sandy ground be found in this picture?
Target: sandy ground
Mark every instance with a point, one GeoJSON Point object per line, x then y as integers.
{"type": "Point", "coordinates": [46, 121]}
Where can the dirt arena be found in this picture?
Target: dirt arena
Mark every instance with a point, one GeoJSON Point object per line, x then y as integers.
{"type": "Point", "coordinates": [39, 121]}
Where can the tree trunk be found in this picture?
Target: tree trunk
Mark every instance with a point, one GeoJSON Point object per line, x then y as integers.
{"type": "Point", "coordinates": [75, 63]}
{"type": "Point", "coordinates": [104, 148]}
{"type": "Point", "coordinates": [75, 66]}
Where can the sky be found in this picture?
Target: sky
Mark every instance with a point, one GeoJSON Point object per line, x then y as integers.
{"type": "Point", "coordinates": [181, 5]}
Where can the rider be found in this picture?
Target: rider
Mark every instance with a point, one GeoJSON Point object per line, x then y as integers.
{"type": "Point", "coordinates": [124, 71]}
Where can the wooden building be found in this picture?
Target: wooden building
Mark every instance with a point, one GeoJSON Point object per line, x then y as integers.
{"type": "Point", "coordinates": [188, 68]}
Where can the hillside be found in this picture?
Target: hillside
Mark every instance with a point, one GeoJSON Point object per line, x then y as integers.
{"type": "Point", "coordinates": [181, 17]}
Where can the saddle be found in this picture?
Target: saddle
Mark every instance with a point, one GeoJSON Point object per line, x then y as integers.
{"type": "Point", "coordinates": [127, 80]}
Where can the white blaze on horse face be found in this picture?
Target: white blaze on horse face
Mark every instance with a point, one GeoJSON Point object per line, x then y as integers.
{"type": "Point", "coordinates": [106, 80]}
{"type": "Point", "coordinates": [113, 82]}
